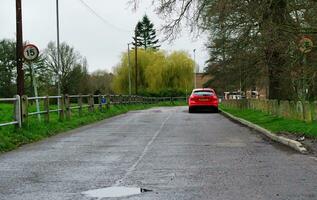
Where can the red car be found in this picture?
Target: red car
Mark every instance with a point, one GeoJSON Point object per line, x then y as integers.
{"type": "Point", "coordinates": [203, 98]}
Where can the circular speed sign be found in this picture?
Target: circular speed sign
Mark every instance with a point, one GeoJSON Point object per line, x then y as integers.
{"type": "Point", "coordinates": [30, 52]}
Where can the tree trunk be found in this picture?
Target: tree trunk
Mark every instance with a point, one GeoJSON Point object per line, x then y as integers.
{"type": "Point", "coordinates": [275, 45]}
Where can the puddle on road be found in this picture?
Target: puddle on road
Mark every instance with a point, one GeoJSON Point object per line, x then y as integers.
{"type": "Point", "coordinates": [114, 192]}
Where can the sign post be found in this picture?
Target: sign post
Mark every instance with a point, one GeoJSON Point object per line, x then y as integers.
{"type": "Point", "coordinates": [306, 45]}
{"type": "Point", "coordinates": [30, 53]}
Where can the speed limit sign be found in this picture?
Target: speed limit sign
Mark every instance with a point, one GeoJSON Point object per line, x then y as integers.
{"type": "Point", "coordinates": [30, 52]}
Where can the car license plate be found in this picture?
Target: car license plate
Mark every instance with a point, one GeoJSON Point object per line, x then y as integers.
{"type": "Point", "coordinates": [203, 99]}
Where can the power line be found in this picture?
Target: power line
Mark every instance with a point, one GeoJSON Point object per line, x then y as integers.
{"type": "Point", "coordinates": [92, 11]}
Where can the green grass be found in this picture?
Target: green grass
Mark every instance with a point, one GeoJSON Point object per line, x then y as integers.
{"type": "Point", "coordinates": [12, 137]}
{"type": "Point", "coordinates": [273, 123]}
{"type": "Point", "coordinates": [6, 113]}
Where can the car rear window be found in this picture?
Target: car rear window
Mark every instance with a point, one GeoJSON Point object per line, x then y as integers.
{"type": "Point", "coordinates": [203, 93]}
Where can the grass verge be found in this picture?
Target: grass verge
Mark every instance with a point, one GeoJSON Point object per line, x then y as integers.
{"type": "Point", "coordinates": [273, 123]}
{"type": "Point", "coordinates": [11, 137]}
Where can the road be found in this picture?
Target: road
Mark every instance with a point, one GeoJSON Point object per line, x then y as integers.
{"type": "Point", "coordinates": [175, 154]}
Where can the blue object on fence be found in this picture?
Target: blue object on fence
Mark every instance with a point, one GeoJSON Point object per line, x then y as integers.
{"type": "Point", "coordinates": [103, 100]}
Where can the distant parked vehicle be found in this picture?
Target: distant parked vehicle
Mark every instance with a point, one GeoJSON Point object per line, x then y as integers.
{"type": "Point", "coordinates": [203, 99]}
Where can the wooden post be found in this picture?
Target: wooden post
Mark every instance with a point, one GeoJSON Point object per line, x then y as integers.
{"type": "Point", "coordinates": [24, 109]}
{"type": "Point", "coordinates": [100, 102]}
{"type": "Point", "coordinates": [47, 109]}
{"type": "Point", "coordinates": [91, 103]}
{"type": "Point", "coordinates": [307, 112]}
{"type": "Point", "coordinates": [125, 100]}
{"type": "Point", "coordinates": [17, 110]}
{"type": "Point", "coordinates": [67, 107]}
{"type": "Point", "coordinates": [113, 99]}
{"type": "Point", "coordinates": [120, 99]}
{"type": "Point", "coordinates": [108, 102]}
{"type": "Point", "coordinates": [314, 109]}
{"type": "Point", "coordinates": [80, 104]}
{"type": "Point", "coordinates": [62, 106]}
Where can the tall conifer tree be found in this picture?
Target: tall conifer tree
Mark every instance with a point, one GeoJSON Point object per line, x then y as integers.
{"type": "Point", "coordinates": [146, 34]}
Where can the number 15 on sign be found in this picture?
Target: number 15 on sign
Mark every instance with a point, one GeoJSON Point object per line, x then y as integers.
{"type": "Point", "coordinates": [30, 52]}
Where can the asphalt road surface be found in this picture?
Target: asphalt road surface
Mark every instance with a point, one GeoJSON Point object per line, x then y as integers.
{"type": "Point", "coordinates": [175, 154]}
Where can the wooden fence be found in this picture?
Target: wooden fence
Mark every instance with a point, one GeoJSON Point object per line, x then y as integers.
{"type": "Point", "coordinates": [303, 111]}
{"type": "Point", "coordinates": [16, 101]}
{"type": "Point", "coordinates": [66, 104]}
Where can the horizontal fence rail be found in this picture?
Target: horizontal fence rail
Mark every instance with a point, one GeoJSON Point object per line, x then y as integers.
{"type": "Point", "coordinates": [66, 105]}
{"type": "Point", "coordinates": [16, 101]}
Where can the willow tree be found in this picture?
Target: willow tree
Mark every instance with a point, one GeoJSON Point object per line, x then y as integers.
{"type": "Point", "coordinates": [158, 71]}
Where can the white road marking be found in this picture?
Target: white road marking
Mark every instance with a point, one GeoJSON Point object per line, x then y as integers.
{"type": "Point", "coordinates": [146, 149]}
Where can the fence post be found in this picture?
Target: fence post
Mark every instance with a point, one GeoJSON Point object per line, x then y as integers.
{"type": "Point", "coordinates": [24, 109]}
{"type": "Point", "coordinates": [80, 104]}
{"type": "Point", "coordinates": [91, 103]}
{"type": "Point", "coordinates": [125, 99]}
{"type": "Point", "coordinates": [62, 105]}
{"type": "Point", "coordinates": [17, 111]}
{"type": "Point", "coordinates": [120, 99]}
{"type": "Point", "coordinates": [300, 110]}
{"type": "Point", "coordinates": [67, 107]}
{"type": "Point", "coordinates": [314, 111]}
{"type": "Point", "coordinates": [100, 102]}
{"type": "Point", "coordinates": [47, 109]}
{"type": "Point", "coordinates": [108, 101]}
{"type": "Point", "coordinates": [307, 112]}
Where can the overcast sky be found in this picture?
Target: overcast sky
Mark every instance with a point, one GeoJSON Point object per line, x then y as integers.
{"type": "Point", "coordinates": [101, 42]}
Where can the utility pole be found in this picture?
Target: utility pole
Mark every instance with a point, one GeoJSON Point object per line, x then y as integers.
{"type": "Point", "coordinates": [195, 85]}
{"type": "Point", "coordinates": [129, 65]}
{"type": "Point", "coordinates": [58, 56]}
{"type": "Point", "coordinates": [19, 48]}
{"type": "Point", "coordinates": [136, 61]}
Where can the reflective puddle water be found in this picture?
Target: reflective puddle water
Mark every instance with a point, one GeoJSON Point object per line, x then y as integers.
{"type": "Point", "coordinates": [114, 192]}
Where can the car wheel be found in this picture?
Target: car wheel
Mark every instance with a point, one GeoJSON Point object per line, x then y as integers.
{"type": "Point", "coordinates": [190, 110]}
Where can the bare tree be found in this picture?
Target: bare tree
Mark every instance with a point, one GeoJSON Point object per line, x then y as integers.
{"type": "Point", "coordinates": [269, 28]}
{"type": "Point", "coordinates": [69, 58]}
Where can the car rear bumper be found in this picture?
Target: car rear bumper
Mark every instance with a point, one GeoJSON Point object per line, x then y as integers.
{"type": "Point", "coordinates": [203, 108]}
{"type": "Point", "coordinates": [200, 104]}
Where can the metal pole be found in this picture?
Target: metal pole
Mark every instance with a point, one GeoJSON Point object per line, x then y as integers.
{"type": "Point", "coordinates": [136, 62]}
{"type": "Point", "coordinates": [19, 48]}
{"type": "Point", "coordinates": [58, 56]}
{"type": "Point", "coordinates": [195, 85]}
{"type": "Point", "coordinates": [129, 65]}
{"type": "Point", "coordinates": [35, 92]}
